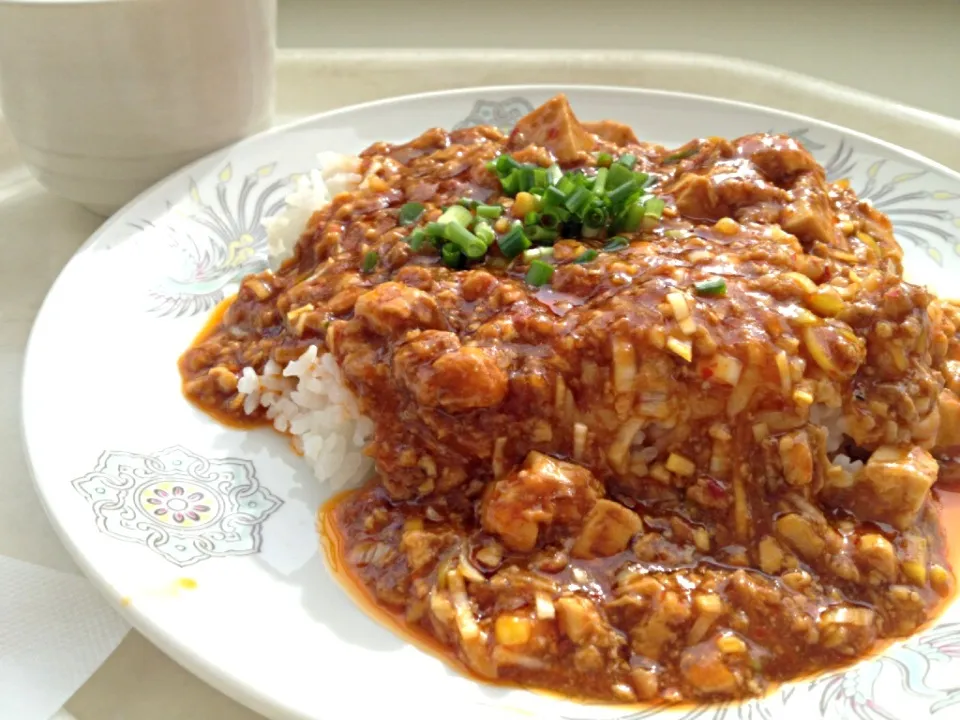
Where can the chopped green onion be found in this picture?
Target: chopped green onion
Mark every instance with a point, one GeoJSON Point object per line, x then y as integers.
{"type": "Point", "coordinates": [628, 160]}
{"type": "Point", "coordinates": [451, 256]}
{"type": "Point", "coordinates": [680, 155]}
{"type": "Point", "coordinates": [550, 219]}
{"type": "Point", "coordinates": [511, 183]}
{"type": "Point", "coordinates": [471, 246]}
{"type": "Point", "coordinates": [370, 261]}
{"type": "Point", "coordinates": [554, 173]}
{"type": "Point", "coordinates": [632, 218]}
{"type": "Point", "coordinates": [620, 194]}
{"type": "Point", "coordinates": [578, 201]}
{"type": "Point", "coordinates": [491, 212]}
{"type": "Point", "coordinates": [553, 197]}
{"type": "Point", "coordinates": [531, 218]}
{"type": "Point", "coordinates": [540, 177]}
{"type": "Point", "coordinates": [457, 215]}
{"type": "Point", "coordinates": [542, 235]}
{"type": "Point", "coordinates": [468, 203]}
{"type": "Point", "coordinates": [591, 232]}
{"type": "Point", "coordinates": [513, 242]}
{"type": "Point", "coordinates": [586, 256]}
{"type": "Point", "coordinates": [714, 287]}
{"type": "Point", "coordinates": [654, 207]}
{"type": "Point", "coordinates": [652, 211]}
{"type": "Point", "coordinates": [539, 273]}
{"type": "Point", "coordinates": [435, 229]}
{"type": "Point", "coordinates": [567, 184]}
{"type": "Point", "coordinates": [644, 180]}
{"type": "Point", "coordinates": [604, 159]}
{"type": "Point", "coordinates": [411, 212]}
{"type": "Point", "coordinates": [527, 178]}
{"type": "Point", "coordinates": [539, 252]}
{"type": "Point", "coordinates": [616, 243]}
{"type": "Point", "coordinates": [505, 164]}
{"type": "Point", "coordinates": [600, 181]}
{"type": "Point", "coordinates": [416, 239]}
{"type": "Point", "coordinates": [483, 231]}
{"type": "Point", "coordinates": [595, 217]}
{"type": "Point", "coordinates": [617, 176]}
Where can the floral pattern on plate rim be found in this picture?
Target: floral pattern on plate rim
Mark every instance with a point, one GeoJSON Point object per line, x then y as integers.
{"type": "Point", "coordinates": [222, 239]}
{"type": "Point", "coordinates": [218, 235]}
{"type": "Point", "coordinates": [184, 507]}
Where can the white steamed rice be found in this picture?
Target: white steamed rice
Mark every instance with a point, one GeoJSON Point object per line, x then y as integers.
{"type": "Point", "coordinates": [308, 399]}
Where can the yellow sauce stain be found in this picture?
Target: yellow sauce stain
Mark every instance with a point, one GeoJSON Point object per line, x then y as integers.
{"type": "Point", "coordinates": [168, 590]}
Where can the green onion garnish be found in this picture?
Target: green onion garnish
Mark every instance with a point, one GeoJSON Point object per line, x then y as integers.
{"type": "Point", "coordinates": [505, 164]}
{"type": "Point", "coordinates": [514, 242]}
{"type": "Point", "coordinates": [654, 207]}
{"type": "Point", "coordinates": [617, 176]}
{"type": "Point", "coordinates": [616, 243]}
{"type": "Point", "coordinates": [620, 194]}
{"type": "Point", "coordinates": [567, 184]}
{"type": "Point", "coordinates": [600, 181]}
{"type": "Point", "coordinates": [490, 212]}
{"type": "Point", "coordinates": [542, 235]}
{"type": "Point", "coordinates": [451, 256]}
{"type": "Point", "coordinates": [632, 218]}
{"type": "Point", "coordinates": [370, 261]}
{"type": "Point", "coordinates": [435, 229]}
{"type": "Point", "coordinates": [714, 287]}
{"type": "Point", "coordinates": [511, 183]}
{"type": "Point", "coordinates": [411, 212]}
{"type": "Point", "coordinates": [539, 273]}
{"type": "Point", "coordinates": [586, 256]}
{"type": "Point", "coordinates": [578, 201]}
{"type": "Point", "coordinates": [681, 155]}
{"type": "Point", "coordinates": [456, 214]}
{"type": "Point", "coordinates": [550, 219]}
{"type": "Point", "coordinates": [416, 239]}
{"type": "Point", "coordinates": [652, 211]}
{"type": "Point", "coordinates": [539, 252]}
{"type": "Point", "coordinates": [573, 204]}
{"type": "Point", "coordinates": [471, 246]}
{"type": "Point", "coordinates": [483, 231]}
{"type": "Point", "coordinates": [595, 217]}
{"type": "Point", "coordinates": [553, 197]}
{"type": "Point", "coordinates": [468, 203]}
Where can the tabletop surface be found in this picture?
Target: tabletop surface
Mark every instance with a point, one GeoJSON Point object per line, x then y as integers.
{"type": "Point", "coordinates": [905, 51]}
{"type": "Point", "coordinates": [138, 682]}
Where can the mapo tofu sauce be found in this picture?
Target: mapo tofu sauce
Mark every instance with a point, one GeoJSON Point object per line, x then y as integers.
{"type": "Point", "coordinates": [681, 465]}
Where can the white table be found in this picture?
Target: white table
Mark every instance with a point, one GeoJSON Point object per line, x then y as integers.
{"type": "Point", "coordinates": [38, 233]}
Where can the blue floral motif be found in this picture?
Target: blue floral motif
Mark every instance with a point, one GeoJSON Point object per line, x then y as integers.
{"type": "Point", "coordinates": [184, 507]}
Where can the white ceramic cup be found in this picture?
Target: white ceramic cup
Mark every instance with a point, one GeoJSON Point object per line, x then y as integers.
{"type": "Point", "coordinates": [105, 97]}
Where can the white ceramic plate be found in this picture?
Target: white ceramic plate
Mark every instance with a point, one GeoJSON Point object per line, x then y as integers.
{"type": "Point", "coordinates": [204, 537]}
